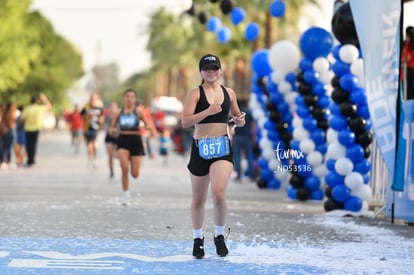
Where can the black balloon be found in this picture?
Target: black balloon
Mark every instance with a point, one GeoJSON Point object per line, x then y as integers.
{"type": "Point", "coordinates": [274, 116]}
{"type": "Point", "coordinates": [339, 96]}
{"type": "Point", "coordinates": [202, 17]}
{"type": "Point", "coordinates": [348, 109]}
{"type": "Point", "coordinates": [357, 124]}
{"type": "Point", "coordinates": [310, 100]}
{"type": "Point", "coordinates": [297, 181]}
{"type": "Point", "coordinates": [304, 88]}
{"type": "Point", "coordinates": [318, 113]}
{"type": "Point", "coordinates": [270, 106]}
{"type": "Point", "coordinates": [303, 194]}
{"type": "Point", "coordinates": [214, 1]}
{"type": "Point", "coordinates": [367, 152]}
{"type": "Point", "coordinates": [364, 139]}
{"type": "Point", "coordinates": [330, 205]}
{"type": "Point", "coordinates": [343, 26]}
{"type": "Point", "coordinates": [323, 124]}
{"type": "Point", "coordinates": [261, 183]}
{"type": "Point", "coordinates": [226, 6]}
{"type": "Point", "coordinates": [328, 192]}
{"type": "Point", "coordinates": [191, 10]}
{"type": "Point", "coordinates": [335, 81]}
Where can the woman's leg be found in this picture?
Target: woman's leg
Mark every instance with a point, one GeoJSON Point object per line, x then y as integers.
{"type": "Point", "coordinates": [136, 166]}
{"type": "Point", "coordinates": [199, 191]}
{"type": "Point", "coordinates": [124, 157]}
{"type": "Point", "coordinates": [220, 172]}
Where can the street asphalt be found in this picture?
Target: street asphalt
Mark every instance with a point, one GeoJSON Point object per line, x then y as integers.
{"type": "Point", "coordinates": [62, 216]}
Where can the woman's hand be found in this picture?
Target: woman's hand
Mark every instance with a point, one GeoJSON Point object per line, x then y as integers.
{"type": "Point", "coordinates": [240, 119]}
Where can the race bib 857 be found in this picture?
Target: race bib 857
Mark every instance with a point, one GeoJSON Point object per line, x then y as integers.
{"type": "Point", "coordinates": [213, 147]}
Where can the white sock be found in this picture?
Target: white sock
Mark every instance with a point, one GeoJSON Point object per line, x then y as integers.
{"type": "Point", "coordinates": [218, 230]}
{"type": "Point", "coordinates": [198, 233]}
{"type": "Point", "coordinates": [126, 194]}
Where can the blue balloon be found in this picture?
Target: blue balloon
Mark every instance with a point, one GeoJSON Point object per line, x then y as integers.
{"type": "Point", "coordinates": [269, 125]}
{"type": "Point", "coordinates": [260, 63]}
{"type": "Point", "coordinates": [330, 164]}
{"type": "Point", "coordinates": [355, 152]}
{"type": "Point", "coordinates": [306, 64]}
{"type": "Point", "coordinates": [340, 68]}
{"type": "Point", "coordinates": [334, 108]}
{"type": "Point", "coordinates": [272, 87]}
{"type": "Point", "coordinates": [353, 204]}
{"type": "Point", "coordinates": [291, 78]}
{"type": "Point", "coordinates": [299, 101]}
{"type": "Point", "coordinates": [318, 136]}
{"type": "Point", "coordinates": [272, 135]}
{"type": "Point", "coordinates": [340, 193]}
{"type": "Point", "coordinates": [319, 89]}
{"type": "Point", "coordinates": [294, 145]}
{"type": "Point", "coordinates": [309, 123]}
{"type": "Point", "coordinates": [275, 98]}
{"type": "Point", "coordinates": [316, 42]}
{"type": "Point", "coordinates": [223, 35]}
{"type": "Point", "coordinates": [366, 178]}
{"type": "Point", "coordinates": [263, 163]}
{"type": "Point", "coordinates": [303, 112]}
{"type": "Point", "coordinates": [338, 122]}
{"type": "Point", "coordinates": [266, 174]}
{"type": "Point", "coordinates": [346, 137]}
{"type": "Point", "coordinates": [283, 107]}
{"type": "Point", "coordinates": [292, 193]}
{"type": "Point", "coordinates": [322, 148]}
{"type": "Point", "coordinates": [317, 195]}
{"type": "Point", "coordinates": [348, 82]}
{"type": "Point", "coordinates": [277, 8]}
{"type": "Point", "coordinates": [213, 24]}
{"type": "Point", "coordinates": [358, 97]}
{"type": "Point", "coordinates": [363, 166]}
{"type": "Point", "coordinates": [364, 112]}
{"type": "Point", "coordinates": [332, 178]}
{"type": "Point", "coordinates": [273, 184]}
{"type": "Point", "coordinates": [311, 76]}
{"type": "Point", "coordinates": [312, 183]}
{"type": "Point", "coordinates": [324, 101]}
{"type": "Point", "coordinates": [252, 31]}
{"type": "Point", "coordinates": [335, 51]}
{"type": "Point", "coordinates": [237, 15]}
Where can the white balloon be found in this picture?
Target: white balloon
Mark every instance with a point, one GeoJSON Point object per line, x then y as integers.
{"type": "Point", "coordinates": [314, 158]}
{"type": "Point", "coordinates": [268, 154]}
{"type": "Point", "coordinates": [265, 143]}
{"type": "Point", "coordinates": [326, 77]}
{"type": "Point", "coordinates": [320, 170]}
{"type": "Point", "coordinates": [357, 68]}
{"type": "Point", "coordinates": [284, 87]}
{"type": "Point", "coordinates": [364, 192]}
{"type": "Point", "coordinates": [320, 64]}
{"type": "Point", "coordinates": [277, 76]}
{"type": "Point", "coordinates": [297, 122]}
{"type": "Point", "coordinates": [348, 53]}
{"type": "Point", "coordinates": [354, 180]}
{"type": "Point", "coordinates": [307, 145]}
{"type": "Point", "coordinates": [331, 136]}
{"type": "Point", "coordinates": [273, 164]}
{"type": "Point", "coordinates": [284, 56]}
{"type": "Point", "coordinates": [282, 176]}
{"type": "Point", "coordinates": [344, 166]}
{"type": "Point", "coordinates": [336, 150]}
{"type": "Point", "coordinates": [300, 133]}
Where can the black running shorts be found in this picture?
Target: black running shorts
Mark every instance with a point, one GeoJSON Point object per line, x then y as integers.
{"type": "Point", "coordinates": [132, 143]}
{"type": "Point", "coordinates": [199, 166]}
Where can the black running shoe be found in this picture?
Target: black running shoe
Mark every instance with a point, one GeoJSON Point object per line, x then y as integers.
{"type": "Point", "coordinates": [198, 248]}
{"type": "Point", "coordinates": [221, 248]}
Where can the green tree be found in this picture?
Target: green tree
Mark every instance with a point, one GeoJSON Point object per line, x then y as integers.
{"type": "Point", "coordinates": [16, 50]}
{"type": "Point", "coordinates": [59, 64]}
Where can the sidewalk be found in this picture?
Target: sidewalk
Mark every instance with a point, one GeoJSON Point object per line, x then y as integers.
{"type": "Point", "coordinates": [63, 217]}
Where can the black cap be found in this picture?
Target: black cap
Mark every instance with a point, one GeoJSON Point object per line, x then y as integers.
{"type": "Point", "coordinates": [209, 60]}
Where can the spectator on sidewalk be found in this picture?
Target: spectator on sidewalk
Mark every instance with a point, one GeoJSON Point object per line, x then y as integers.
{"type": "Point", "coordinates": [20, 144]}
{"type": "Point", "coordinates": [165, 144]}
{"type": "Point", "coordinates": [33, 118]}
{"type": "Point", "coordinates": [7, 134]}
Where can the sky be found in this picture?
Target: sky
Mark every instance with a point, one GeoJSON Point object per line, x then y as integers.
{"type": "Point", "coordinates": [113, 31]}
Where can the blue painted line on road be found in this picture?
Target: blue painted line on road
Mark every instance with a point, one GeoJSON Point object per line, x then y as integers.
{"type": "Point", "coordinates": [114, 256]}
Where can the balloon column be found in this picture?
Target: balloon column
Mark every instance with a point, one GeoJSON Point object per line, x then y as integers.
{"type": "Point", "coordinates": [349, 135]}
{"type": "Point", "coordinates": [310, 124]}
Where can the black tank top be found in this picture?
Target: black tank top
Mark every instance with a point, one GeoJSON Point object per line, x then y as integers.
{"type": "Point", "coordinates": [128, 122]}
{"type": "Point", "coordinates": [203, 104]}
